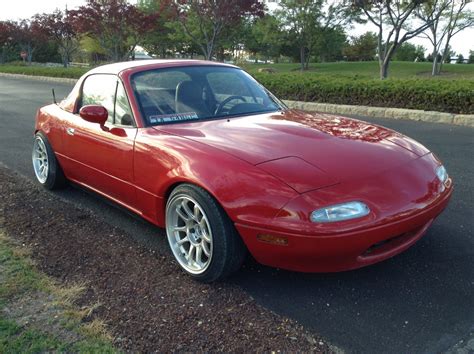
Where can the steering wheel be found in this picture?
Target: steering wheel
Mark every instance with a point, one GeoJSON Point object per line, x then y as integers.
{"type": "Point", "coordinates": [227, 100]}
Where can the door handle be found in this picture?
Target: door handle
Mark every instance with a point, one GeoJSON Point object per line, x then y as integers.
{"type": "Point", "coordinates": [70, 131]}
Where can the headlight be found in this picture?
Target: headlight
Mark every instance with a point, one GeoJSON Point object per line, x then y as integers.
{"type": "Point", "coordinates": [340, 212]}
{"type": "Point", "coordinates": [442, 173]}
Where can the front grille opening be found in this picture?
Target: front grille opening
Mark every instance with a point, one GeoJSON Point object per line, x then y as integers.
{"type": "Point", "coordinates": [376, 246]}
{"type": "Point", "coordinates": [387, 245]}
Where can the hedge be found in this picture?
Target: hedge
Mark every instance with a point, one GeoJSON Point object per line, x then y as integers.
{"type": "Point", "coordinates": [454, 96]}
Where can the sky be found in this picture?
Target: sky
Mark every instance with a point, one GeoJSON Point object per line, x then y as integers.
{"type": "Point", "coordinates": [17, 9]}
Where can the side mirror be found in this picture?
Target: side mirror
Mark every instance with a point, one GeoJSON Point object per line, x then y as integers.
{"type": "Point", "coordinates": [94, 114]}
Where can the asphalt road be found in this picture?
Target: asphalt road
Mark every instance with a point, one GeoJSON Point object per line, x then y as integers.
{"type": "Point", "coordinates": [421, 301]}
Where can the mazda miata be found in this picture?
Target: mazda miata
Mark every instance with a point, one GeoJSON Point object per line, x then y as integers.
{"type": "Point", "coordinates": [203, 150]}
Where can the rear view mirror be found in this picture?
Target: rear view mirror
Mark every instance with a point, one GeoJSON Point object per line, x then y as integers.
{"type": "Point", "coordinates": [94, 114]}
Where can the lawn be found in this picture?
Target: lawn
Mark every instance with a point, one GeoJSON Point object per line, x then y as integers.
{"type": "Point", "coordinates": [398, 69]}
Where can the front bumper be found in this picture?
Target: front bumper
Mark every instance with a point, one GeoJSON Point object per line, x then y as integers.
{"type": "Point", "coordinates": [346, 250]}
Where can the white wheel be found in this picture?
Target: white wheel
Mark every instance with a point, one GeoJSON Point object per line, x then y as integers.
{"type": "Point", "coordinates": [46, 167]}
{"type": "Point", "coordinates": [40, 160]}
{"type": "Point", "coordinates": [189, 234]}
{"type": "Point", "coordinates": [201, 235]}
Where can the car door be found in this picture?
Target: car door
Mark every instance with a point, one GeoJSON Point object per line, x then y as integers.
{"type": "Point", "coordinates": [101, 157]}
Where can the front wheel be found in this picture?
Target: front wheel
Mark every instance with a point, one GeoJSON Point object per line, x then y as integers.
{"type": "Point", "coordinates": [46, 167]}
{"type": "Point", "coordinates": [201, 236]}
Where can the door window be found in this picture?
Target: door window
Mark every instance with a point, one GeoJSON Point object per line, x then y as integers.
{"type": "Point", "coordinates": [123, 112]}
{"type": "Point", "coordinates": [108, 91]}
{"type": "Point", "coordinates": [100, 89]}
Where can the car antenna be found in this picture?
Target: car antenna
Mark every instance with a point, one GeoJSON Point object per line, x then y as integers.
{"type": "Point", "coordinates": [54, 96]}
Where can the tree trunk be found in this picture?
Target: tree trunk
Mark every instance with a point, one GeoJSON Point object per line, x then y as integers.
{"type": "Point", "coordinates": [65, 60]}
{"type": "Point", "coordinates": [308, 56]}
{"type": "Point", "coordinates": [434, 69]}
{"type": "Point", "coordinates": [445, 54]}
{"type": "Point", "coordinates": [303, 57]}
{"type": "Point", "coordinates": [384, 69]}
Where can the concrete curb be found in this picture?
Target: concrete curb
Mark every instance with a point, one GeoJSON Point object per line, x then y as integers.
{"type": "Point", "coordinates": [376, 112]}
{"type": "Point", "coordinates": [384, 112]}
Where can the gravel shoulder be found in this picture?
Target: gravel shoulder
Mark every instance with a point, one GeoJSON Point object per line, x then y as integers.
{"type": "Point", "coordinates": [146, 302]}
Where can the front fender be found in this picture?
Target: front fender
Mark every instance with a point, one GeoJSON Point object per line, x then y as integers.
{"type": "Point", "coordinates": [249, 195]}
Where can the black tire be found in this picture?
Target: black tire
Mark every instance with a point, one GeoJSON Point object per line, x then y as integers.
{"type": "Point", "coordinates": [54, 177]}
{"type": "Point", "coordinates": [228, 251]}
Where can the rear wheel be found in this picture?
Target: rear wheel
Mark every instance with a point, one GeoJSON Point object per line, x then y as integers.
{"type": "Point", "coordinates": [201, 236]}
{"type": "Point", "coordinates": [46, 167]}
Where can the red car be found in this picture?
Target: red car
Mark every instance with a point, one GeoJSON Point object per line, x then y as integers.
{"type": "Point", "coordinates": [205, 151]}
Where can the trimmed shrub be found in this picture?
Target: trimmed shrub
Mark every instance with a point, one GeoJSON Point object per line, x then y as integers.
{"type": "Point", "coordinates": [455, 96]}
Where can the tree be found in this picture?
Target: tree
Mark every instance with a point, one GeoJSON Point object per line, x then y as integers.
{"type": "Point", "coordinates": [329, 44]}
{"type": "Point", "coordinates": [160, 40]}
{"type": "Point", "coordinates": [471, 57]}
{"type": "Point", "coordinates": [446, 18]}
{"type": "Point", "coordinates": [263, 36]}
{"type": "Point", "coordinates": [300, 18]}
{"type": "Point", "coordinates": [28, 34]}
{"type": "Point", "coordinates": [409, 52]}
{"type": "Point", "coordinates": [444, 57]}
{"type": "Point", "coordinates": [59, 28]}
{"type": "Point", "coordinates": [6, 39]}
{"type": "Point", "coordinates": [459, 19]}
{"type": "Point", "coordinates": [392, 17]}
{"type": "Point", "coordinates": [306, 20]}
{"type": "Point", "coordinates": [460, 59]}
{"type": "Point", "coordinates": [117, 25]}
{"type": "Point", "coordinates": [362, 48]}
{"type": "Point", "coordinates": [204, 21]}
{"type": "Point", "coordinates": [420, 53]}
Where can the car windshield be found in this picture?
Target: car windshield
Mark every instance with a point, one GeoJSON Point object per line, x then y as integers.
{"type": "Point", "coordinates": [190, 93]}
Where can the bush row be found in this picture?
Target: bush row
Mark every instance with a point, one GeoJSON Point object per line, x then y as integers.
{"type": "Point", "coordinates": [454, 96]}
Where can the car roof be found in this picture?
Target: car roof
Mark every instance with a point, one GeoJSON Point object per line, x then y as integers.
{"type": "Point", "coordinates": [139, 65]}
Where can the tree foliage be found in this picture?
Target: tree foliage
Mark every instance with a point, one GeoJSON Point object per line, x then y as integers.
{"type": "Point", "coordinates": [263, 36]}
{"type": "Point", "coordinates": [204, 21]}
{"type": "Point", "coordinates": [117, 25]}
{"type": "Point", "coordinates": [409, 52]}
{"type": "Point", "coordinates": [6, 39]}
{"type": "Point", "coordinates": [58, 26]}
{"type": "Point", "coordinates": [161, 39]}
{"type": "Point", "coordinates": [362, 48]}
{"type": "Point", "coordinates": [28, 35]}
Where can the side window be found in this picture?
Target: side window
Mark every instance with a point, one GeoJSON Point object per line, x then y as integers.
{"type": "Point", "coordinates": [123, 112]}
{"type": "Point", "coordinates": [100, 89]}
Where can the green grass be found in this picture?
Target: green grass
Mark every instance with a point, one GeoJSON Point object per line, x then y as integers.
{"type": "Point", "coordinates": [397, 70]}
{"type": "Point", "coordinates": [34, 70]}
{"type": "Point", "coordinates": [51, 310]}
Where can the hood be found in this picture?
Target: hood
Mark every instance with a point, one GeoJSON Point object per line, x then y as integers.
{"type": "Point", "coordinates": [336, 147]}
